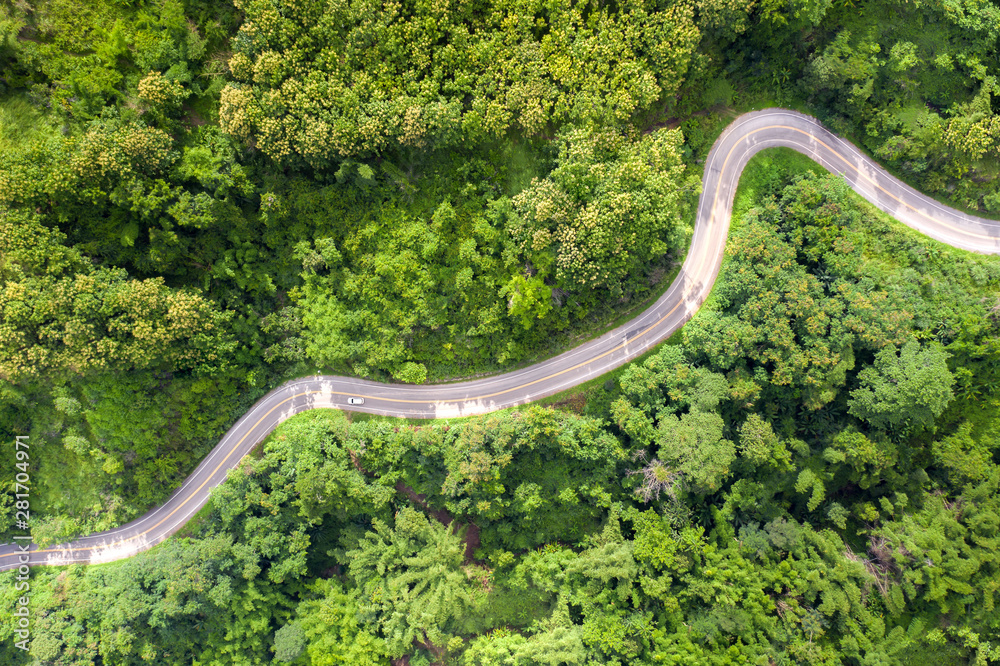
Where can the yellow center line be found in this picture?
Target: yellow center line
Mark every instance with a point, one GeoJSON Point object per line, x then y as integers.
{"type": "Point", "coordinates": [521, 386]}
{"type": "Point", "coordinates": [884, 191]}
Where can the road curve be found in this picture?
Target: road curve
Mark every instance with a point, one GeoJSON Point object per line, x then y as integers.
{"type": "Point", "coordinates": [747, 135]}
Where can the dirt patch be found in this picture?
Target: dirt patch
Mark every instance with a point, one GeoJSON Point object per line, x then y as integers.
{"type": "Point", "coordinates": [440, 515]}
{"type": "Point", "coordinates": [438, 652]}
{"type": "Point", "coordinates": [471, 540]}
{"type": "Point", "coordinates": [574, 403]}
{"type": "Point", "coordinates": [331, 572]}
{"type": "Point", "coordinates": [356, 461]}
{"type": "Point", "coordinates": [192, 118]}
{"type": "Point", "coordinates": [656, 276]}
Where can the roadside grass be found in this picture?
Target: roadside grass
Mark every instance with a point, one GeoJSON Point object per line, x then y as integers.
{"type": "Point", "coordinates": [361, 417]}
{"type": "Point", "coordinates": [58, 481]}
{"type": "Point", "coordinates": [893, 246]}
{"type": "Point", "coordinates": [193, 528]}
{"type": "Point", "coordinates": [766, 175]}
{"type": "Point", "coordinates": [589, 398]}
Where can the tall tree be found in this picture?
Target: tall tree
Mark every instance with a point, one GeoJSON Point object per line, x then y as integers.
{"type": "Point", "coordinates": [904, 389]}
{"type": "Point", "coordinates": [412, 582]}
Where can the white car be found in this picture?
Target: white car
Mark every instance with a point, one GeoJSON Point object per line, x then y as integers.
{"type": "Point", "coordinates": [355, 401]}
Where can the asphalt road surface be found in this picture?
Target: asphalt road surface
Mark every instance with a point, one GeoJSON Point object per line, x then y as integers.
{"type": "Point", "coordinates": [747, 135]}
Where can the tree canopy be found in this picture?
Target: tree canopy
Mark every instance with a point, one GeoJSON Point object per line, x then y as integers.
{"type": "Point", "coordinates": [200, 200]}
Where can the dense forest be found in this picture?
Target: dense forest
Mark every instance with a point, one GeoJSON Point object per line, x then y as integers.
{"type": "Point", "coordinates": [199, 200]}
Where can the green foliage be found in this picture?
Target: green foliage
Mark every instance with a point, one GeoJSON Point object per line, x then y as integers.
{"type": "Point", "coordinates": [608, 208]}
{"type": "Point", "coordinates": [525, 478]}
{"type": "Point", "coordinates": [103, 321]}
{"type": "Point", "coordinates": [177, 604]}
{"type": "Point", "coordinates": [422, 190]}
{"type": "Point", "coordinates": [306, 90]}
{"type": "Point", "coordinates": [392, 286]}
{"type": "Point", "coordinates": [306, 475]}
{"type": "Point", "coordinates": [289, 642]}
{"type": "Point", "coordinates": [943, 548]}
{"type": "Point", "coordinates": [78, 57]}
{"type": "Point", "coordinates": [916, 91]}
{"type": "Point", "coordinates": [795, 336]}
{"type": "Point", "coordinates": [694, 445]}
{"type": "Point", "coordinates": [904, 390]}
{"type": "Point", "coordinates": [411, 581]}
{"type": "Point", "coordinates": [760, 445]}
{"type": "Point", "coordinates": [666, 383]}
{"type": "Point", "coordinates": [334, 629]}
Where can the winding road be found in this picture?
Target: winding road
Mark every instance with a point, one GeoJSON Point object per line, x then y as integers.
{"type": "Point", "coordinates": [747, 135]}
